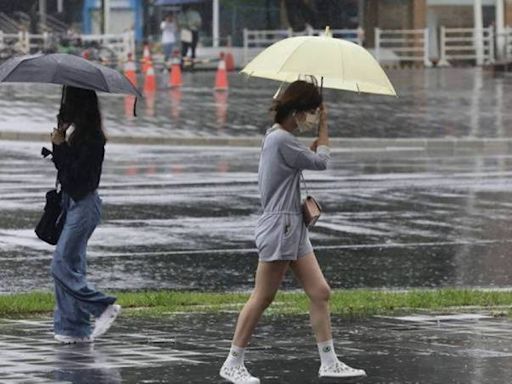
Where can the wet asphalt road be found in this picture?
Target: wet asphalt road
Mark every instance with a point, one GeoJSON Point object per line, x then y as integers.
{"type": "Point", "coordinates": [183, 217]}
{"type": "Point", "coordinates": [435, 103]}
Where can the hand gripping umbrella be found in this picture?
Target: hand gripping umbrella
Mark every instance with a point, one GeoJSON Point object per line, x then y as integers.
{"type": "Point", "coordinates": [67, 70]}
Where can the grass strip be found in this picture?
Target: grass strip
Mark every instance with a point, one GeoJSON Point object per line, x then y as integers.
{"type": "Point", "coordinates": [347, 303]}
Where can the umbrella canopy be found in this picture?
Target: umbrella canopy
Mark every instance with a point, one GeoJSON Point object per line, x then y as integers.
{"type": "Point", "coordinates": [177, 2]}
{"type": "Point", "coordinates": [340, 64]}
{"type": "Point", "coordinates": [64, 69]}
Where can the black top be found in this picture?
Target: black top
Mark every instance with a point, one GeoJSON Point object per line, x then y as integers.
{"type": "Point", "coordinates": [79, 167]}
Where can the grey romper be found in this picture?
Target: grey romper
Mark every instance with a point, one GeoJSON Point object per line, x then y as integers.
{"type": "Point", "coordinates": [280, 231]}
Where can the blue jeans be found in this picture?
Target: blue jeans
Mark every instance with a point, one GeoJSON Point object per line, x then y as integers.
{"type": "Point", "coordinates": [76, 299]}
{"type": "Point", "coordinates": [168, 51]}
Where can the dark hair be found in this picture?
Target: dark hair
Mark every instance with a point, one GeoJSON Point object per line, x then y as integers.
{"type": "Point", "coordinates": [80, 107]}
{"type": "Point", "coordinates": [299, 96]}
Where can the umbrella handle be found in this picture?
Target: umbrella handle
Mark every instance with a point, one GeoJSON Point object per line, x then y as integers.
{"type": "Point", "coordinates": [63, 97]}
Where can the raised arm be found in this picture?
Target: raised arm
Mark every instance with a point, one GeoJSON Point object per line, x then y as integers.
{"type": "Point", "coordinates": [298, 156]}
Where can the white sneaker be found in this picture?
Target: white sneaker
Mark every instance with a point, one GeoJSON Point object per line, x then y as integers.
{"type": "Point", "coordinates": [339, 369]}
{"type": "Point", "coordinates": [72, 339]}
{"type": "Point", "coordinates": [105, 321]}
{"type": "Point", "coordinates": [238, 374]}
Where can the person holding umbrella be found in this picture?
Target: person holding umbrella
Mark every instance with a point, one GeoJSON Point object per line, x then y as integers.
{"type": "Point", "coordinates": [281, 235]}
{"type": "Point", "coordinates": [78, 151]}
{"type": "Point", "coordinates": [78, 157]}
{"type": "Point", "coordinates": [168, 28]}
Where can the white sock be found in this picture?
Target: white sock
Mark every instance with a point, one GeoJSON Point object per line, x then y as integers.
{"type": "Point", "coordinates": [327, 353]}
{"type": "Point", "coordinates": [236, 356]}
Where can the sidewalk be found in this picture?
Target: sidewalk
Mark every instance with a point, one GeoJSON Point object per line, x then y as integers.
{"type": "Point", "coordinates": [190, 348]}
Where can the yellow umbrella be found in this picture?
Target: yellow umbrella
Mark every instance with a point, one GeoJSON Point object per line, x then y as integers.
{"type": "Point", "coordinates": [337, 63]}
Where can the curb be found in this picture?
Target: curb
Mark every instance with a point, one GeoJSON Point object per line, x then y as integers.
{"type": "Point", "coordinates": [364, 144]}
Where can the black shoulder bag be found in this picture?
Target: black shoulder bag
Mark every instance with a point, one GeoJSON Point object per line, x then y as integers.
{"type": "Point", "coordinates": [52, 221]}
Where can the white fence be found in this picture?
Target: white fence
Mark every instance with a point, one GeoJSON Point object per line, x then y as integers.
{"type": "Point", "coordinates": [413, 45]}
{"type": "Point", "coordinates": [460, 44]}
{"type": "Point", "coordinates": [508, 43]}
{"type": "Point", "coordinates": [265, 38]}
{"type": "Point", "coordinates": [24, 42]}
{"type": "Point", "coordinates": [406, 45]}
{"type": "Point", "coordinates": [456, 44]}
{"type": "Point", "coordinates": [506, 40]}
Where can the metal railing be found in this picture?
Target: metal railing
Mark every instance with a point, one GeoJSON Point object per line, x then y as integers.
{"type": "Point", "coordinates": [55, 25]}
{"type": "Point", "coordinates": [407, 45]}
{"type": "Point", "coordinates": [25, 42]}
{"type": "Point", "coordinates": [461, 44]}
{"type": "Point", "coordinates": [7, 24]}
{"type": "Point", "coordinates": [265, 38]}
{"type": "Point", "coordinates": [121, 44]}
{"type": "Point", "coordinates": [19, 40]}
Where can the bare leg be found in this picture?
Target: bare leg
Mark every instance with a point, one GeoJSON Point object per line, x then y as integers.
{"type": "Point", "coordinates": [310, 276]}
{"type": "Point", "coordinates": [268, 280]}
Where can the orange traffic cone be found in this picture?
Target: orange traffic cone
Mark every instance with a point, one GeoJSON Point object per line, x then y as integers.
{"type": "Point", "coordinates": [146, 59]}
{"type": "Point", "coordinates": [230, 62]}
{"type": "Point", "coordinates": [150, 81]}
{"type": "Point", "coordinates": [175, 74]}
{"type": "Point", "coordinates": [130, 70]}
{"type": "Point", "coordinates": [221, 78]}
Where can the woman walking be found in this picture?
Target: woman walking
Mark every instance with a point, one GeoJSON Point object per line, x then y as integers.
{"type": "Point", "coordinates": [78, 157]}
{"type": "Point", "coordinates": [281, 235]}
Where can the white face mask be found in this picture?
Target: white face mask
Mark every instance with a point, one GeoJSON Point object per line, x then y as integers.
{"type": "Point", "coordinates": [310, 123]}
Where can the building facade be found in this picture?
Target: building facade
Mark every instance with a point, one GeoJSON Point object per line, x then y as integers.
{"type": "Point", "coordinates": [123, 15]}
{"type": "Point", "coordinates": [419, 14]}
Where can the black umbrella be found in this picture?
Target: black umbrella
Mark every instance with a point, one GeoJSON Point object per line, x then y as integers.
{"type": "Point", "coordinates": [65, 69]}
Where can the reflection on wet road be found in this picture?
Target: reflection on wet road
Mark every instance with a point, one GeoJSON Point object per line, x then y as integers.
{"type": "Point", "coordinates": [183, 217]}
{"type": "Point", "coordinates": [190, 349]}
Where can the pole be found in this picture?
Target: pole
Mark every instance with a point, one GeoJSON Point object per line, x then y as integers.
{"type": "Point", "coordinates": [360, 14]}
{"type": "Point", "coordinates": [60, 6]}
{"type": "Point", "coordinates": [106, 16]}
{"type": "Point", "coordinates": [215, 31]}
{"type": "Point", "coordinates": [42, 13]}
{"type": "Point", "coordinates": [442, 56]}
{"type": "Point", "coordinates": [478, 31]}
{"type": "Point", "coordinates": [426, 48]}
{"type": "Point", "coordinates": [102, 13]}
{"type": "Point", "coordinates": [377, 44]}
{"type": "Point", "coordinates": [500, 29]}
